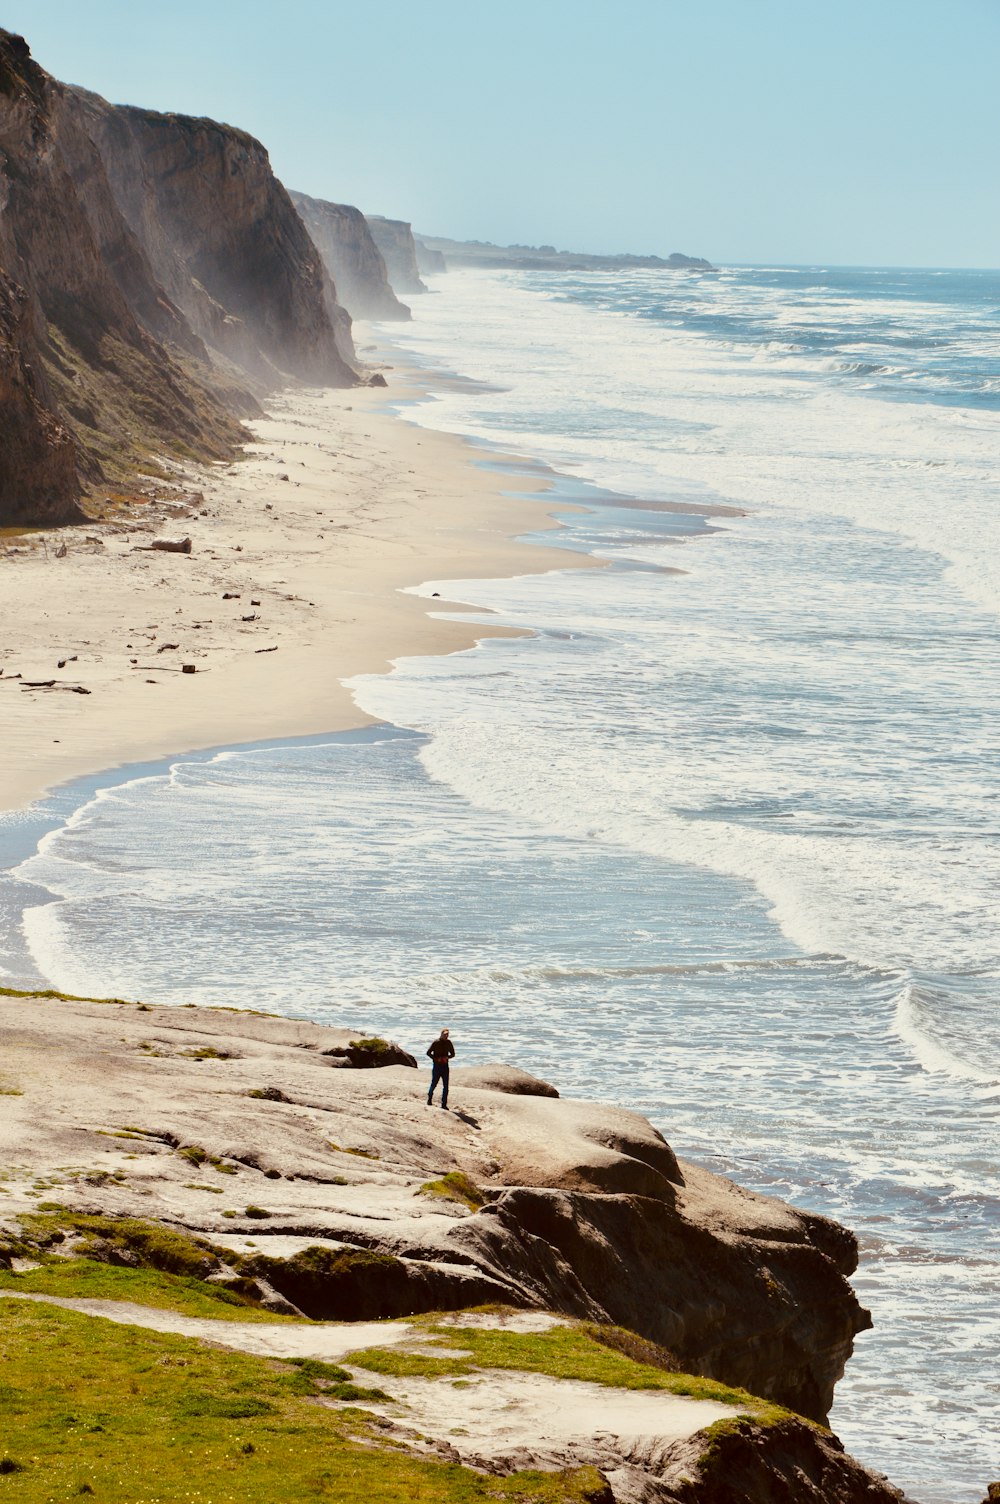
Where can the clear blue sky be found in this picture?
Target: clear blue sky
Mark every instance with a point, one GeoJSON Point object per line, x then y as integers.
{"type": "Point", "coordinates": [863, 132]}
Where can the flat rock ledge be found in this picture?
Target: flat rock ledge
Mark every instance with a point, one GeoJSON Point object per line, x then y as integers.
{"type": "Point", "coordinates": [338, 1194]}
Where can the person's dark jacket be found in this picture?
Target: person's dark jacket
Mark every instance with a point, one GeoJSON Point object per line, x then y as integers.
{"type": "Point", "coordinates": [441, 1051]}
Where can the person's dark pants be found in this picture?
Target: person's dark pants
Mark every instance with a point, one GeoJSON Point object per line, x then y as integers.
{"type": "Point", "coordinates": [439, 1073]}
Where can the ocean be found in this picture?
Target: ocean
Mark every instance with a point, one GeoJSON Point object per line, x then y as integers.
{"type": "Point", "coordinates": [719, 841]}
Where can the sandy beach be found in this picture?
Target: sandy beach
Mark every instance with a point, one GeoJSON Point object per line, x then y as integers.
{"type": "Point", "coordinates": [300, 554]}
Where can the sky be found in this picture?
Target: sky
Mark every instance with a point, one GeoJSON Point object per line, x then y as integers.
{"type": "Point", "coordinates": [755, 131]}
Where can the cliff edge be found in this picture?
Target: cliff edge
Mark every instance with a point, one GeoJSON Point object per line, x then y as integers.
{"type": "Point", "coordinates": [372, 1205]}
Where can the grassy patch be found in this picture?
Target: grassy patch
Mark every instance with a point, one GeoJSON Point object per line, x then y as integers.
{"type": "Point", "coordinates": [89, 1407]}
{"type": "Point", "coordinates": [562, 1352]}
{"type": "Point", "coordinates": [455, 1186]}
{"type": "Point", "coordinates": [196, 1155]}
{"type": "Point", "coordinates": [371, 1044]}
{"type": "Point", "coordinates": [90, 1280]}
{"type": "Point", "coordinates": [123, 1239]}
{"type": "Point", "coordinates": [346, 1149]}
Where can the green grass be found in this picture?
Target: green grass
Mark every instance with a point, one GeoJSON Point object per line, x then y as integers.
{"type": "Point", "coordinates": [61, 997]}
{"type": "Point", "coordinates": [455, 1186]}
{"type": "Point", "coordinates": [562, 1352]}
{"type": "Point", "coordinates": [88, 1279]}
{"type": "Point", "coordinates": [196, 1155]}
{"type": "Point", "coordinates": [88, 1407]}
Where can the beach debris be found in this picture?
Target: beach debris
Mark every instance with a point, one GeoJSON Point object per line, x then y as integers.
{"type": "Point", "coordinates": [377, 380]}
{"type": "Point", "coordinates": [282, 477]}
{"type": "Point", "coordinates": [73, 689]}
{"type": "Point", "coordinates": [252, 617]}
{"type": "Point", "coordinates": [61, 551]}
{"type": "Point", "coordinates": [231, 595]}
{"type": "Point", "coordinates": [165, 546]}
{"type": "Point", "coordinates": [63, 661]}
{"type": "Point", "coordinates": [266, 650]}
{"type": "Point", "coordinates": [168, 647]}
{"type": "Point", "coordinates": [188, 668]}
{"type": "Point", "coordinates": [255, 603]}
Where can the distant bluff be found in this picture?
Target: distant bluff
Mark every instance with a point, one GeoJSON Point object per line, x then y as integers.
{"type": "Point", "coordinates": [344, 239]}
{"type": "Point", "coordinates": [155, 279]}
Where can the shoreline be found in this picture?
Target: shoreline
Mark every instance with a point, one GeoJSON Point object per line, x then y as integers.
{"type": "Point", "coordinates": [304, 557]}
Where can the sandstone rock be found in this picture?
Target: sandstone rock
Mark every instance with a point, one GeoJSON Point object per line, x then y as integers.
{"type": "Point", "coordinates": [506, 1078]}
{"type": "Point", "coordinates": [587, 1212]}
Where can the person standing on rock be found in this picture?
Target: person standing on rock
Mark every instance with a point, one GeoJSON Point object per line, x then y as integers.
{"type": "Point", "coordinates": [440, 1052]}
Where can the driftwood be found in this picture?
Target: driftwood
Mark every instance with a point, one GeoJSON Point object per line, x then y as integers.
{"type": "Point", "coordinates": [73, 689]}
{"type": "Point", "coordinates": [165, 546]}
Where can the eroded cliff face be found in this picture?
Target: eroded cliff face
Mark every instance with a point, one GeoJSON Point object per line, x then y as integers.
{"type": "Point", "coordinates": [341, 235]}
{"type": "Point", "coordinates": [156, 276]}
{"type": "Point", "coordinates": [224, 240]}
{"type": "Point", "coordinates": [394, 238]}
{"type": "Point", "coordinates": [38, 480]}
{"type": "Point", "coordinates": [89, 387]}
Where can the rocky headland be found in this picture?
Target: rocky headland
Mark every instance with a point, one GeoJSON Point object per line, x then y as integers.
{"type": "Point", "coordinates": [438, 253]}
{"type": "Point", "coordinates": [304, 1165]}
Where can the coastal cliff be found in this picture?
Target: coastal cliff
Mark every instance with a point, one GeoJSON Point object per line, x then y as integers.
{"type": "Point", "coordinates": [394, 238]}
{"type": "Point", "coordinates": [90, 386]}
{"type": "Point", "coordinates": [155, 276]}
{"type": "Point", "coordinates": [342, 236]}
{"type": "Point", "coordinates": [565, 1206]}
{"type": "Point", "coordinates": [234, 1165]}
{"type": "Point", "coordinates": [224, 240]}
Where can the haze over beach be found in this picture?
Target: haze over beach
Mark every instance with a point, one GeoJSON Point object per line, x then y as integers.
{"type": "Point", "coordinates": [498, 533]}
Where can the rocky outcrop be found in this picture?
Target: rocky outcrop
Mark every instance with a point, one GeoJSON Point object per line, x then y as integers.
{"type": "Point", "coordinates": [365, 1202]}
{"type": "Point", "coordinates": [394, 238]}
{"type": "Point", "coordinates": [341, 235]}
{"type": "Point", "coordinates": [746, 1462]}
{"type": "Point", "coordinates": [224, 240]}
{"type": "Point", "coordinates": [86, 378]}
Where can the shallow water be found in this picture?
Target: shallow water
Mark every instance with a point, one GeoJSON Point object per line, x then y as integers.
{"type": "Point", "coordinates": [719, 844]}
